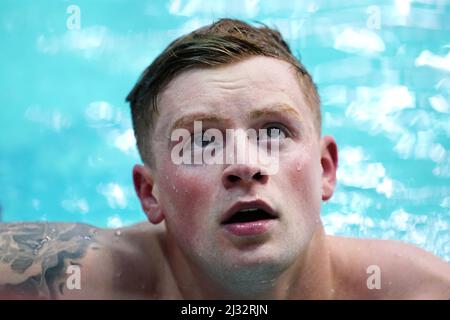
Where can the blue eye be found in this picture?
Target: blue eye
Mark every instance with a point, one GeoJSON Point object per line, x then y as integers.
{"type": "Point", "coordinates": [202, 140]}
{"type": "Point", "coordinates": [274, 131]}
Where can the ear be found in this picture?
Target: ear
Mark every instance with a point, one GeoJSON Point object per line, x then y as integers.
{"type": "Point", "coordinates": [329, 162]}
{"type": "Point", "coordinates": [144, 187]}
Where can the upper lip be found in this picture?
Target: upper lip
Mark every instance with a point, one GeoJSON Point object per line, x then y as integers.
{"type": "Point", "coordinates": [245, 205]}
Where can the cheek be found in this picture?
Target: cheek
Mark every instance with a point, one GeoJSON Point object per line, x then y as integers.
{"type": "Point", "coordinates": [305, 182]}
{"type": "Point", "coordinates": [185, 196]}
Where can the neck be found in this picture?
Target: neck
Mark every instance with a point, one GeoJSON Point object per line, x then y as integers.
{"type": "Point", "coordinates": [309, 277]}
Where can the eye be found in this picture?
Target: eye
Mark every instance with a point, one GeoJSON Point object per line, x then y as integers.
{"type": "Point", "coordinates": [201, 140]}
{"type": "Point", "coordinates": [273, 131]}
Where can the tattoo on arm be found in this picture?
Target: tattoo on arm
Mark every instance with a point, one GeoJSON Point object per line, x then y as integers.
{"type": "Point", "coordinates": [40, 253]}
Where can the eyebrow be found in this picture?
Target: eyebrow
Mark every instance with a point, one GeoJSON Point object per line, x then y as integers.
{"type": "Point", "coordinates": [274, 109]}
{"type": "Point", "coordinates": [190, 118]}
{"type": "Point", "coordinates": [269, 110]}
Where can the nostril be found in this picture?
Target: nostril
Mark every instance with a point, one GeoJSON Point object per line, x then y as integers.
{"type": "Point", "coordinates": [258, 176]}
{"type": "Point", "coordinates": [233, 178]}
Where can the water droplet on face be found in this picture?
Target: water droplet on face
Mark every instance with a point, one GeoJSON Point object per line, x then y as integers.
{"type": "Point", "coordinates": [298, 167]}
{"type": "Point", "coordinates": [118, 233]}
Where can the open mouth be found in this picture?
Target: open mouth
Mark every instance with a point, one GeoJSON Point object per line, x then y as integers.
{"type": "Point", "coordinates": [249, 215]}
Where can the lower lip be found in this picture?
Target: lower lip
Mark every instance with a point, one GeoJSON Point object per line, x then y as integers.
{"type": "Point", "coordinates": [253, 228]}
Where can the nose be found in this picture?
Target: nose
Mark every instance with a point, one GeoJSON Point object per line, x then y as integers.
{"type": "Point", "coordinates": [243, 175]}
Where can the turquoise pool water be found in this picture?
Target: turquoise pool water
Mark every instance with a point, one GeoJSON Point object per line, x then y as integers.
{"type": "Point", "coordinates": [382, 68]}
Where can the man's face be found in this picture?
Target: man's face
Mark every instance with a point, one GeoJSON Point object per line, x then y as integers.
{"type": "Point", "coordinates": [258, 93]}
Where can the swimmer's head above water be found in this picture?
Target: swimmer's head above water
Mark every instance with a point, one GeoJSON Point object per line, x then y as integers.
{"type": "Point", "coordinates": [241, 228]}
{"type": "Point", "coordinates": [233, 221]}
{"type": "Point", "coordinates": [207, 114]}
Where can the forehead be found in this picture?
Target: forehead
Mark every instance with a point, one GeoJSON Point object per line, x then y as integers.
{"type": "Point", "coordinates": [253, 73]}
{"type": "Point", "coordinates": [247, 85]}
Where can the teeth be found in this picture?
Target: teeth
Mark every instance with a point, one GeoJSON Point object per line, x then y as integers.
{"type": "Point", "coordinates": [249, 210]}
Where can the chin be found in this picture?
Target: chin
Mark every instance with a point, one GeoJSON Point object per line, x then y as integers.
{"type": "Point", "coordinates": [261, 260]}
{"type": "Point", "coordinates": [250, 274]}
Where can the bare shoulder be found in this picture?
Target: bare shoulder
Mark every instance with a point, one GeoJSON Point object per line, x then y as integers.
{"type": "Point", "coordinates": [33, 256]}
{"type": "Point", "coordinates": [73, 260]}
{"type": "Point", "coordinates": [405, 271]}
{"type": "Point", "coordinates": [123, 263]}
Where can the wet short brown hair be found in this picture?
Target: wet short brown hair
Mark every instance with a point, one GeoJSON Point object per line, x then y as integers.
{"type": "Point", "coordinates": [223, 42]}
